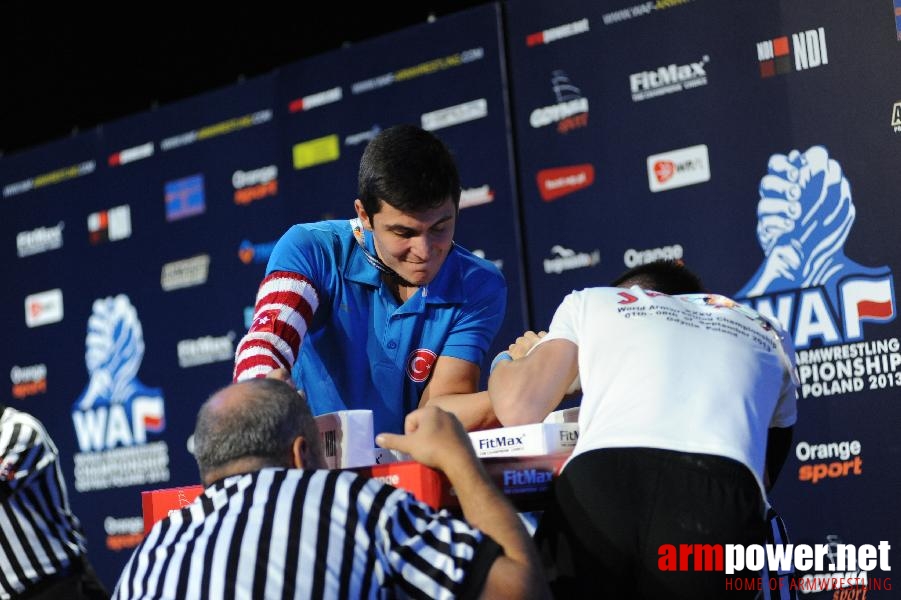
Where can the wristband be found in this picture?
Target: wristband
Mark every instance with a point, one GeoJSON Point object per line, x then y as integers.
{"type": "Point", "coordinates": [501, 357]}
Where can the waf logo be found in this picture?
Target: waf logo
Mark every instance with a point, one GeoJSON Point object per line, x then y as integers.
{"type": "Point", "coordinates": [115, 408]}
{"type": "Point", "coordinates": [561, 181]}
{"type": "Point", "coordinates": [115, 413]}
{"type": "Point", "coordinates": [419, 364]}
{"type": "Point", "coordinates": [808, 48]}
{"type": "Point", "coordinates": [806, 281]}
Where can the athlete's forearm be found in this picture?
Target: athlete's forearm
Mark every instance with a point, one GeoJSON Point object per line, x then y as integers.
{"type": "Point", "coordinates": [286, 303]}
{"type": "Point", "coordinates": [473, 410]}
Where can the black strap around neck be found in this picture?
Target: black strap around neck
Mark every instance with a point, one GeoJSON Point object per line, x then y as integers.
{"type": "Point", "coordinates": [357, 227]}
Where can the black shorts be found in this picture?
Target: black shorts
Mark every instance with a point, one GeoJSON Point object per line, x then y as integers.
{"type": "Point", "coordinates": [613, 509]}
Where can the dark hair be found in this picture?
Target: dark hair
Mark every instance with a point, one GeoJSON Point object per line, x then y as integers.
{"type": "Point", "coordinates": [665, 276]}
{"type": "Point", "coordinates": [410, 169]}
{"type": "Point", "coordinates": [263, 426]}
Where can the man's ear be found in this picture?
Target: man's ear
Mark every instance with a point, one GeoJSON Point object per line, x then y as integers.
{"type": "Point", "coordinates": [305, 455]}
{"type": "Point", "coordinates": [362, 214]}
{"type": "Point", "coordinates": [299, 452]}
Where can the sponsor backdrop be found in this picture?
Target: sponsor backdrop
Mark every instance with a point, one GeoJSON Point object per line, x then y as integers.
{"type": "Point", "coordinates": [759, 142]}
{"type": "Point", "coordinates": [137, 248]}
{"type": "Point", "coordinates": [756, 140]}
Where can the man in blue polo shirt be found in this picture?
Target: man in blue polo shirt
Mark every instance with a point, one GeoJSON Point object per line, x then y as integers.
{"type": "Point", "coordinates": [384, 311]}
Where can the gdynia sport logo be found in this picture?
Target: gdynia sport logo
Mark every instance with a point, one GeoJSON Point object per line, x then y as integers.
{"type": "Point", "coordinates": [847, 565]}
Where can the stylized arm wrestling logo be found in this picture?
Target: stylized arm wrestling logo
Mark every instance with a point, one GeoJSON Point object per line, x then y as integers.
{"type": "Point", "coordinates": [804, 216]}
{"type": "Point", "coordinates": [116, 410]}
{"type": "Point", "coordinates": [114, 351]}
{"type": "Point", "coordinates": [806, 282]}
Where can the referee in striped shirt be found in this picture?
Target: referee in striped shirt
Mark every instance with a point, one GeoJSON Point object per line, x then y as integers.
{"type": "Point", "coordinates": [272, 523]}
{"type": "Point", "coordinates": [42, 547]}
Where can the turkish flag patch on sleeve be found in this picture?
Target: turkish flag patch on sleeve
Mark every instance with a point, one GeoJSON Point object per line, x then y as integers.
{"type": "Point", "coordinates": [265, 321]}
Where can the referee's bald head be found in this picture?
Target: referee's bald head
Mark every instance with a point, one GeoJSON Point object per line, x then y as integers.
{"type": "Point", "coordinates": [253, 424]}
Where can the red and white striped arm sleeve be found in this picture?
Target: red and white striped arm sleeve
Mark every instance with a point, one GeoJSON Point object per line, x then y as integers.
{"type": "Point", "coordinates": [286, 303]}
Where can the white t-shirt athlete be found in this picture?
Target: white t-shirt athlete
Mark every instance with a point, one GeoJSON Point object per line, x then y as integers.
{"type": "Point", "coordinates": [691, 373]}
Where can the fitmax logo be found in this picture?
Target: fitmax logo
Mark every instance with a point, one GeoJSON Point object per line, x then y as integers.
{"type": "Point", "coordinates": [519, 477]}
{"type": "Point", "coordinates": [668, 79]}
{"type": "Point", "coordinates": [501, 442]}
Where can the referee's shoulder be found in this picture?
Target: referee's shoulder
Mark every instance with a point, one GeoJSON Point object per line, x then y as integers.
{"type": "Point", "coordinates": [367, 485]}
{"type": "Point", "coordinates": [26, 422]}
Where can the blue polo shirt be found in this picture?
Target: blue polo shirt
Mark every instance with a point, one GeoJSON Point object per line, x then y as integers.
{"type": "Point", "coordinates": [363, 350]}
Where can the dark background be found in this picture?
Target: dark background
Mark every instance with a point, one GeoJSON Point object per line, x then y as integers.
{"type": "Point", "coordinates": [65, 68]}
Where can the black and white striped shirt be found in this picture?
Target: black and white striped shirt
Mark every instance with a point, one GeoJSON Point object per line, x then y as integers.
{"type": "Point", "coordinates": [776, 586]}
{"type": "Point", "coordinates": [39, 535]}
{"type": "Point", "coordinates": [290, 533]}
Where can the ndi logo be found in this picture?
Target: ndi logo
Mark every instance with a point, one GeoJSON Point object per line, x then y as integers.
{"type": "Point", "coordinates": [808, 47]}
{"type": "Point", "coordinates": [109, 225]}
{"type": "Point", "coordinates": [115, 413]}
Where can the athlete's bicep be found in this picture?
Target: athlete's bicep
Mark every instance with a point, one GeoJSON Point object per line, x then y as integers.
{"type": "Point", "coordinates": [451, 375]}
